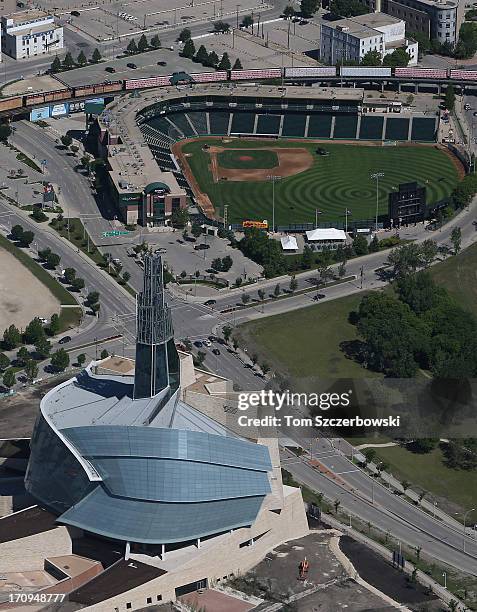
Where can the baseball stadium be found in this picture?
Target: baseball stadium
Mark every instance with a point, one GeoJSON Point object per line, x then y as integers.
{"type": "Point", "coordinates": [303, 152]}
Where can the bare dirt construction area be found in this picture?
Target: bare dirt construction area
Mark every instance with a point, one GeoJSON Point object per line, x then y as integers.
{"type": "Point", "coordinates": [22, 296]}
{"type": "Point", "coordinates": [291, 161]}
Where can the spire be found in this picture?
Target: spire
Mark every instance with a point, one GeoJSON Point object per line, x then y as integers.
{"type": "Point", "coordinates": [154, 343]}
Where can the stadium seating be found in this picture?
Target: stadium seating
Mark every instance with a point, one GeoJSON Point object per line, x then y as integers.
{"type": "Point", "coordinates": [371, 128]}
{"type": "Point", "coordinates": [294, 125]}
{"type": "Point", "coordinates": [199, 121]}
{"type": "Point", "coordinates": [242, 123]}
{"type": "Point", "coordinates": [219, 123]}
{"type": "Point", "coordinates": [180, 120]}
{"type": "Point", "coordinates": [345, 126]}
{"type": "Point", "coordinates": [397, 129]}
{"type": "Point", "coordinates": [319, 126]}
{"type": "Point", "coordinates": [268, 124]}
{"type": "Point", "coordinates": [423, 129]}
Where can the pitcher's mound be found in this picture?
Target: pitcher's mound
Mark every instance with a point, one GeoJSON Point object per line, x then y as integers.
{"type": "Point", "coordinates": [245, 158]}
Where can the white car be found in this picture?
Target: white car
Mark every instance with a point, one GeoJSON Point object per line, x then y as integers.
{"type": "Point", "coordinates": [207, 343]}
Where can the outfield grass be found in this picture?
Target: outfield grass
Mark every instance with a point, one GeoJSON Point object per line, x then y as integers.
{"type": "Point", "coordinates": [334, 182]}
{"type": "Point", "coordinates": [458, 275]}
{"type": "Point", "coordinates": [429, 472]}
{"type": "Point", "coordinates": [257, 159]}
{"type": "Point", "coordinates": [305, 344]}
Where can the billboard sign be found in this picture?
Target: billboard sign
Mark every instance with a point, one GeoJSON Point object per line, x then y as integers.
{"type": "Point", "coordinates": [37, 114]}
{"type": "Point", "coordinates": [59, 110]}
{"type": "Point", "coordinates": [259, 224]}
{"type": "Point", "coordinates": [76, 107]}
{"type": "Point", "coordinates": [48, 193]}
{"type": "Point", "coordinates": [94, 106]}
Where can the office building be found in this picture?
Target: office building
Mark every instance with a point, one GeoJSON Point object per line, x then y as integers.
{"type": "Point", "coordinates": [30, 33]}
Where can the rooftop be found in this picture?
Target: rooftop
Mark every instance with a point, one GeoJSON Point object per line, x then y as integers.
{"type": "Point", "coordinates": [375, 20]}
{"type": "Point", "coordinates": [39, 29]}
{"type": "Point", "coordinates": [348, 26]}
{"type": "Point", "coordinates": [26, 523]}
{"type": "Point", "coordinates": [26, 16]}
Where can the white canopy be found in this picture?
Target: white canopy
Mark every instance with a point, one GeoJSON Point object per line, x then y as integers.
{"type": "Point", "coordinates": [289, 243]}
{"type": "Point", "coordinates": [326, 233]}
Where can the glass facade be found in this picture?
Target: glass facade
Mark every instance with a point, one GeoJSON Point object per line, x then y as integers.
{"type": "Point", "coordinates": [54, 475]}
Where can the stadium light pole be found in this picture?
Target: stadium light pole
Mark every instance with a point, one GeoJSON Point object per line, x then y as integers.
{"type": "Point", "coordinates": [347, 212]}
{"type": "Point", "coordinates": [376, 176]}
{"type": "Point", "coordinates": [273, 178]}
{"type": "Point", "coordinates": [317, 212]}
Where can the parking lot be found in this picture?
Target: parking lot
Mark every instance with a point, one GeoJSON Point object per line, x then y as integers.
{"type": "Point", "coordinates": [123, 20]}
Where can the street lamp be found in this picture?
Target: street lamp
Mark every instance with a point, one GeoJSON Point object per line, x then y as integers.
{"type": "Point", "coordinates": [317, 212]}
{"type": "Point", "coordinates": [444, 574]}
{"type": "Point", "coordinates": [376, 176]}
{"type": "Point", "coordinates": [465, 519]}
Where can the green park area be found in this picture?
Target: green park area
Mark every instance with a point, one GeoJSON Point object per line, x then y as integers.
{"type": "Point", "coordinates": [247, 159]}
{"type": "Point", "coordinates": [336, 181]}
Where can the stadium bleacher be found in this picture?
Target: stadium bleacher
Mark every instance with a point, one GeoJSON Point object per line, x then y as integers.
{"type": "Point", "coordinates": [199, 121]}
{"type": "Point", "coordinates": [423, 129]}
{"type": "Point", "coordinates": [180, 120]}
{"type": "Point", "coordinates": [345, 126]}
{"type": "Point", "coordinates": [371, 128]}
{"type": "Point", "coordinates": [268, 124]}
{"type": "Point", "coordinates": [397, 129]}
{"type": "Point", "coordinates": [294, 125]}
{"type": "Point", "coordinates": [219, 123]}
{"type": "Point", "coordinates": [319, 126]}
{"type": "Point", "coordinates": [242, 123]}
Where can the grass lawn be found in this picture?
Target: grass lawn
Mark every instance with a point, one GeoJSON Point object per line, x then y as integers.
{"type": "Point", "coordinates": [69, 317]}
{"type": "Point", "coordinates": [305, 343]}
{"type": "Point", "coordinates": [459, 276]}
{"type": "Point", "coordinates": [429, 472]}
{"type": "Point", "coordinates": [341, 179]}
{"type": "Point", "coordinates": [248, 159]}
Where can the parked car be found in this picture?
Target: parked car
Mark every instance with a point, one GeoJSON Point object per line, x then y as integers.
{"type": "Point", "coordinates": [198, 343]}
{"type": "Point", "coordinates": [110, 69]}
{"type": "Point", "coordinates": [216, 351]}
{"type": "Point", "coordinates": [202, 246]}
{"type": "Point", "coordinates": [131, 65]}
{"type": "Point", "coordinates": [180, 241]}
{"type": "Point", "coordinates": [190, 239]}
{"type": "Point", "coordinates": [207, 343]}
{"type": "Point", "coordinates": [65, 339]}
{"type": "Point", "coordinates": [162, 63]}
{"type": "Point", "coordinates": [161, 250]}
{"type": "Point", "coordinates": [319, 296]}
{"type": "Point", "coordinates": [209, 303]}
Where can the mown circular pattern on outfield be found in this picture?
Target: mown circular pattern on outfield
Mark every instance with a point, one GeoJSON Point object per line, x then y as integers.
{"type": "Point", "coordinates": [335, 182]}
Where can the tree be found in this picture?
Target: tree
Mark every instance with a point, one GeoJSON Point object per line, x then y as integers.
{"type": "Point", "coordinates": [31, 369]}
{"type": "Point", "coordinates": [69, 273]}
{"type": "Point", "coordinates": [17, 232]}
{"type": "Point", "coordinates": [347, 8]}
{"type": "Point", "coordinates": [265, 368]}
{"type": "Point", "coordinates": [68, 62]}
{"type": "Point", "coordinates": [235, 343]}
{"type": "Point", "coordinates": [104, 354]}
{"type": "Point", "coordinates": [66, 140]}
{"type": "Point", "coordinates": [289, 12]}
{"type": "Point", "coordinates": [80, 360]}
{"type": "Point", "coordinates": [245, 298]}
{"type": "Point", "coordinates": [60, 360]}
{"type": "Point", "coordinates": [201, 57]}
{"type": "Point", "coordinates": [213, 59]}
{"type": "Point", "coordinates": [200, 358]}
{"type": "Point", "coordinates": [43, 348]}
{"type": "Point", "coordinates": [398, 58]}
{"type": "Point", "coordinates": [189, 49]}
{"type": "Point", "coordinates": [53, 260]}
{"type": "Point", "coordinates": [11, 337]}
{"type": "Point", "coordinates": [22, 355]}
{"type": "Point", "coordinates": [221, 27]}
{"type": "Point", "coordinates": [74, 149]}
{"type": "Point", "coordinates": [54, 325]}
{"type": "Point", "coordinates": [374, 244]}
{"type": "Point", "coordinates": [227, 332]}
{"type": "Point", "coordinates": [34, 331]}
{"type": "Point", "coordinates": [342, 269]}
{"type": "Point", "coordinates": [405, 484]}
{"type": "Point", "coordinates": [126, 277]}
{"type": "Point", "coordinates": [95, 308]}
{"type": "Point", "coordinates": [4, 361]}
{"type": "Point", "coordinates": [371, 58]}
{"type": "Point", "coordinates": [456, 239]}
{"type": "Point", "coordinates": [254, 359]}
{"type": "Point", "coordinates": [449, 98]}
{"type": "Point", "coordinates": [360, 245]}
{"type": "Point", "coordinates": [369, 455]}
{"type": "Point", "coordinates": [77, 284]}
{"type": "Point", "coordinates": [187, 344]}
{"type": "Point", "coordinates": [237, 65]}
{"type": "Point", "coordinates": [224, 63]}
{"type": "Point", "coordinates": [247, 21]}
{"type": "Point", "coordinates": [293, 284]}
{"type": "Point", "coordinates": [405, 259]}
{"type": "Point", "coordinates": [179, 217]}
{"type": "Point", "coordinates": [429, 251]}
{"type": "Point", "coordinates": [55, 65]}
{"type": "Point", "coordinates": [261, 294]}
{"type": "Point", "coordinates": [155, 42]}
{"type": "Point", "coordinates": [9, 379]}
{"type": "Point", "coordinates": [142, 45]}
{"type": "Point", "coordinates": [131, 49]}
{"type": "Point", "coordinates": [276, 291]}
{"type": "Point", "coordinates": [81, 59]}
{"type": "Point", "coordinates": [196, 230]}
{"type": "Point", "coordinates": [227, 263]}
{"type": "Point", "coordinates": [184, 35]}
{"type": "Point", "coordinates": [5, 132]}
{"type": "Point", "coordinates": [336, 504]}
{"type": "Point", "coordinates": [38, 215]}
{"type": "Point", "coordinates": [26, 239]}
